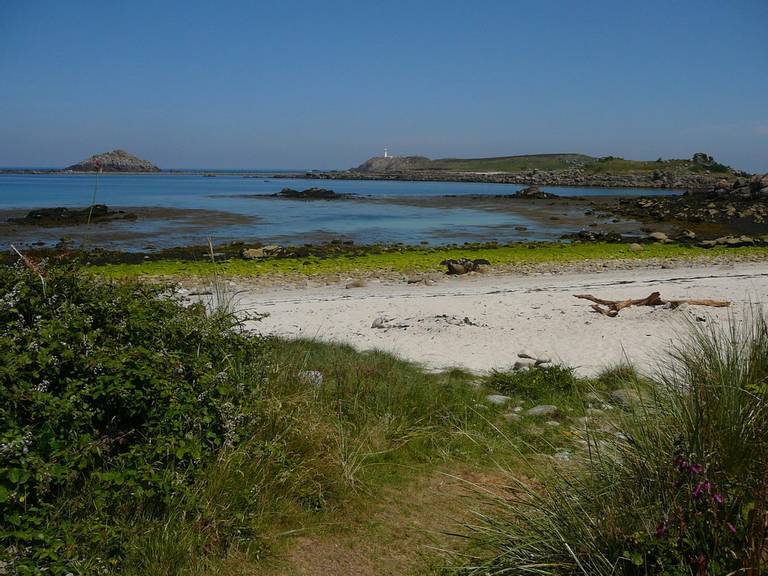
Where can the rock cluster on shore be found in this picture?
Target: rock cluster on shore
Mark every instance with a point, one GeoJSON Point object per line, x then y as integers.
{"type": "Point", "coordinates": [576, 177]}
{"type": "Point", "coordinates": [61, 216]}
{"type": "Point", "coordinates": [743, 199]}
{"type": "Point", "coordinates": [114, 161]}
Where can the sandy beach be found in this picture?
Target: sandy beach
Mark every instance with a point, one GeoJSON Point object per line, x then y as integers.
{"type": "Point", "coordinates": [483, 321]}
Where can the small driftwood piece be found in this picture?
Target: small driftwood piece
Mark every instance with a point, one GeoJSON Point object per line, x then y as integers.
{"type": "Point", "coordinates": [611, 308]}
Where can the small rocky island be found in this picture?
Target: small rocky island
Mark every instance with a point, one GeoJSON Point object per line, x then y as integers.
{"type": "Point", "coordinates": [114, 161]}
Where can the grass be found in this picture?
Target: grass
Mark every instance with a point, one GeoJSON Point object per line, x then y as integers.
{"type": "Point", "coordinates": [554, 162]}
{"type": "Point", "coordinates": [281, 456]}
{"type": "Point", "coordinates": [678, 487]}
{"type": "Point", "coordinates": [411, 259]}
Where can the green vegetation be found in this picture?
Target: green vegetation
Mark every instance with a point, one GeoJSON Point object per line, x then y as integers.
{"type": "Point", "coordinates": [510, 163]}
{"type": "Point", "coordinates": [556, 162]}
{"type": "Point", "coordinates": [139, 436]}
{"type": "Point", "coordinates": [412, 259]}
{"type": "Point", "coordinates": [678, 487]}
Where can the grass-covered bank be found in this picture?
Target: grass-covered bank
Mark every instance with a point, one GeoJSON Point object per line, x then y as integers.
{"type": "Point", "coordinates": [140, 436]}
{"type": "Point", "coordinates": [677, 485]}
{"type": "Point", "coordinates": [416, 259]}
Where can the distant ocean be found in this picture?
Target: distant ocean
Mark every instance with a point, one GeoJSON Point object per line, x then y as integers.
{"type": "Point", "coordinates": [379, 215]}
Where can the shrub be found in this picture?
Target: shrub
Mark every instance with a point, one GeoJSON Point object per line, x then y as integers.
{"type": "Point", "coordinates": [683, 488]}
{"type": "Point", "coordinates": [111, 396]}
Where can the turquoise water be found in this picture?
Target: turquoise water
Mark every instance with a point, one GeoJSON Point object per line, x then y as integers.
{"type": "Point", "coordinates": [369, 219]}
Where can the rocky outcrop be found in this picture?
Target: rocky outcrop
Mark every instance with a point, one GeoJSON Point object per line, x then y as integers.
{"type": "Point", "coordinates": [743, 200]}
{"type": "Point", "coordinates": [115, 161]}
{"type": "Point", "coordinates": [534, 192]}
{"type": "Point", "coordinates": [311, 194]}
{"type": "Point", "coordinates": [578, 177]}
{"type": "Point", "coordinates": [71, 217]}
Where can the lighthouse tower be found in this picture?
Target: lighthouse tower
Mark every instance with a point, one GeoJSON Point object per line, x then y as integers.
{"type": "Point", "coordinates": [386, 152]}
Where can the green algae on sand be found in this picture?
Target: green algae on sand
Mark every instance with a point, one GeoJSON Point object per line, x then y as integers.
{"type": "Point", "coordinates": [415, 259]}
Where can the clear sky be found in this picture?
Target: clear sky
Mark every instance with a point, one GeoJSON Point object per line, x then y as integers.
{"type": "Point", "coordinates": [281, 84]}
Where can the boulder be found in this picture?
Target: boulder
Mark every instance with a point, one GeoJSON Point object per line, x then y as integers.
{"type": "Point", "coordinates": [658, 237]}
{"type": "Point", "coordinates": [465, 265]}
{"type": "Point", "coordinates": [497, 399]}
{"type": "Point", "coordinates": [635, 247]}
{"type": "Point", "coordinates": [542, 410]}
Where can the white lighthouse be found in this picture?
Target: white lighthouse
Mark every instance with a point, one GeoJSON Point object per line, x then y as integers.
{"type": "Point", "coordinates": [386, 152]}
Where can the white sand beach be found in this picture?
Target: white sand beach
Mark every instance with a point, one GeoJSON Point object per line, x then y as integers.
{"type": "Point", "coordinates": [510, 313]}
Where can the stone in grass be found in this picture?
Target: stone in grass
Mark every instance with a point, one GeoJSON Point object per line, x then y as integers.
{"type": "Point", "coordinates": [312, 377]}
{"type": "Point", "coordinates": [563, 456]}
{"type": "Point", "coordinates": [541, 410]}
{"type": "Point", "coordinates": [497, 399]}
{"type": "Point", "coordinates": [626, 397]}
{"type": "Point", "coordinates": [635, 247]}
{"type": "Point", "coordinates": [552, 423]}
{"type": "Point", "coordinates": [511, 417]}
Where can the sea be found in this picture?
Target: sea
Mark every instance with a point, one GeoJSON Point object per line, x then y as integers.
{"type": "Point", "coordinates": [380, 212]}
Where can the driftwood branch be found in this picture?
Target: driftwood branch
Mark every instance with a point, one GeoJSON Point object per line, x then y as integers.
{"type": "Point", "coordinates": [612, 308]}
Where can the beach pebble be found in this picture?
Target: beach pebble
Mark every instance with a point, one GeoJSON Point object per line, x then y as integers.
{"type": "Point", "coordinates": [497, 399]}
{"type": "Point", "coordinates": [523, 364]}
{"type": "Point", "coordinates": [541, 410]}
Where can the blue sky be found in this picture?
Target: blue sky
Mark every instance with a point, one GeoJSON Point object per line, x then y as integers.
{"type": "Point", "coordinates": [328, 84]}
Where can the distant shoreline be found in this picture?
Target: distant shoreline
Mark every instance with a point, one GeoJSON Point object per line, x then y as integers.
{"type": "Point", "coordinates": [552, 179]}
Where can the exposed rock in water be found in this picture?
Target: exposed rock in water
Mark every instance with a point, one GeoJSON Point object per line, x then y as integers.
{"type": "Point", "coordinates": [115, 161]}
{"type": "Point", "coordinates": [534, 192]}
{"type": "Point", "coordinates": [71, 216]}
{"type": "Point", "coordinates": [311, 194]}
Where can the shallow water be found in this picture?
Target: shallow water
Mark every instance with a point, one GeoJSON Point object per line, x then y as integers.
{"type": "Point", "coordinates": [378, 214]}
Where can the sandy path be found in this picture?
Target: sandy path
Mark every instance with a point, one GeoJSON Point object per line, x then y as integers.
{"type": "Point", "coordinates": [509, 313]}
